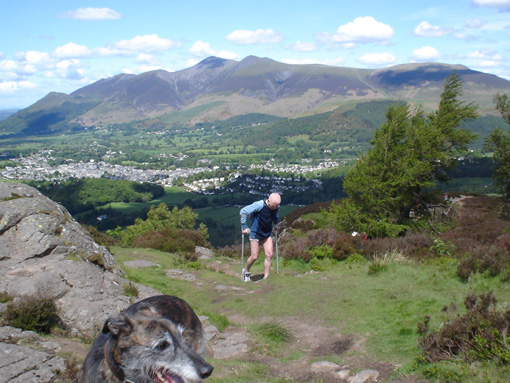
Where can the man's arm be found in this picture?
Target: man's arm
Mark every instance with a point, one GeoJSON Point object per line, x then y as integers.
{"type": "Point", "coordinates": [249, 210]}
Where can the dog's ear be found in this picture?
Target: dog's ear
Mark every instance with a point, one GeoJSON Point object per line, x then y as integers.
{"type": "Point", "coordinates": [117, 325]}
{"type": "Point", "coordinates": [148, 310]}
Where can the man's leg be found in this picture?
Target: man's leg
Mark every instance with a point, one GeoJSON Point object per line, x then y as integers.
{"type": "Point", "coordinates": [254, 251]}
{"type": "Point", "coordinates": [268, 250]}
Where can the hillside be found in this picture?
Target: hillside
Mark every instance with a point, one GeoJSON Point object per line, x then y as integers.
{"type": "Point", "coordinates": [218, 89]}
{"type": "Point", "coordinates": [338, 321]}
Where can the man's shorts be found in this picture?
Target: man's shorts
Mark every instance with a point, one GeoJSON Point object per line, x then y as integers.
{"type": "Point", "coordinates": [256, 239]}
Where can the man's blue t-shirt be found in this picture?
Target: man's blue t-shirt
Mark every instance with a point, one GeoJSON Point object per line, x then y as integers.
{"type": "Point", "coordinates": [262, 219]}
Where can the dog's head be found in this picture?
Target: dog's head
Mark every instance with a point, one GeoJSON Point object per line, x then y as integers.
{"type": "Point", "coordinates": [147, 348]}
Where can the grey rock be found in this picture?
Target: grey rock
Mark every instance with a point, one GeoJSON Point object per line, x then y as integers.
{"type": "Point", "coordinates": [232, 343]}
{"type": "Point", "coordinates": [203, 252]}
{"type": "Point", "coordinates": [45, 252]}
{"type": "Point", "coordinates": [365, 376]}
{"type": "Point", "coordinates": [343, 374]}
{"type": "Point", "coordinates": [23, 364]}
{"type": "Point", "coordinates": [136, 264]}
{"type": "Point", "coordinates": [324, 365]}
{"type": "Point", "coordinates": [10, 334]}
{"type": "Point", "coordinates": [180, 274]}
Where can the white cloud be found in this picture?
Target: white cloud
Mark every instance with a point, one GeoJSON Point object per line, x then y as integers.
{"type": "Point", "coordinates": [361, 30]}
{"type": "Point", "coordinates": [474, 23]}
{"type": "Point", "coordinates": [69, 69]}
{"type": "Point", "coordinates": [490, 64]}
{"type": "Point", "coordinates": [146, 58]}
{"type": "Point", "coordinates": [202, 50]}
{"type": "Point", "coordinates": [146, 43]}
{"type": "Point", "coordinates": [91, 14]}
{"type": "Point", "coordinates": [334, 62]}
{"type": "Point", "coordinates": [71, 50]}
{"type": "Point", "coordinates": [349, 46]}
{"type": "Point", "coordinates": [259, 36]}
{"type": "Point", "coordinates": [503, 5]}
{"type": "Point", "coordinates": [301, 61]}
{"type": "Point", "coordinates": [426, 53]}
{"type": "Point", "coordinates": [476, 55]}
{"type": "Point", "coordinates": [140, 69]}
{"type": "Point", "coordinates": [483, 54]}
{"type": "Point", "coordinates": [33, 58]}
{"type": "Point", "coordinates": [13, 86]}
{"type": "Point", "coordinates": [111, 51]}
{"type": "Point", "coordinates": [192, 62]}
{"type": "Point", "coordinates": [299, 46]}
{"type": "Point", "coordinates": [425, 29]}
{"type": "Point", "coordinates": [339, 61]}
{"type": "Point", "coordinates": [7, 65]}
{"type": "Point", "coordinates": [465, 37]}
{"type": "Point", "coordinates": [382, 58]}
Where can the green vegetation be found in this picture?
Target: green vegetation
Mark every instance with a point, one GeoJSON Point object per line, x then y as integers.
{"type": "Point", "coordinates": [410, 154]}
{"type": "Point", "coordinates": [388, 296]}
{"type": "Point", "coordinates": [41, 123]}
{"type": "Point", "coordinates": [499, 143]}
{"type": "Point", "coordinates": [254, 138]}
{"type": "Point", "coordinates": [32, 313]}
{"type": "Point", "coordinates": [164, 225]}
{"type": "Point", "coordinates": [79, 195]}
{"type": "Point", "coordinates": [130, 290]}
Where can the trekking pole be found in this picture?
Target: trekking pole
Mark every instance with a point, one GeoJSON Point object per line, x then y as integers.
{"type": "Point", "coordinates": [242, 251]}
{"type": "Point", "coordinates": [276, 241]}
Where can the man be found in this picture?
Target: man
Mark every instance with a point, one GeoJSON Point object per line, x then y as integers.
{"type": "Point", "coordinates": [262, 214]}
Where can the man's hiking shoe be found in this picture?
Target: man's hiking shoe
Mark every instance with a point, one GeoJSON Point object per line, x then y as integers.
{"type": "Point", "coordinates": [246, 276]}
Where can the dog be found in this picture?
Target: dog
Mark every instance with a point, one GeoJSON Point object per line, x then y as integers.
{"type": "Point", "coordinates": [156, 340]}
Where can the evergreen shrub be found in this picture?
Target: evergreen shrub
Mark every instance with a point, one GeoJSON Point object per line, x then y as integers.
{"type": "Point", "coordinates": [478, 335]}
{"type": "Point", "coordinates": [171, 240]}
{"type": "Point", "coordinates": [32, 313]}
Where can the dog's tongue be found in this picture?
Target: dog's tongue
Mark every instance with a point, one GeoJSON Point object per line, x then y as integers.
{"type": "Point", "coordinates": [168, 378]}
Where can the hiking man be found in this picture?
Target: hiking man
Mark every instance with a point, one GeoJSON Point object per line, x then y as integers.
{"type": "Point", "coordinates": [262, 215]}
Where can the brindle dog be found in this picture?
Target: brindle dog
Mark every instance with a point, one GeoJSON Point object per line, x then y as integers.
{"type": "Point", "coordinates": [156, 340]}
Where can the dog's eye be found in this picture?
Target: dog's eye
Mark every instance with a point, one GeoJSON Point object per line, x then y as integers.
{"type": "Point", "coordinates": [163, 345]}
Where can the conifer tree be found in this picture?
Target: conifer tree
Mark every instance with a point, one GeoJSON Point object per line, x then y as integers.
{"type": "Point", "coordinates": [411, 152]}
{"type": "Point", "coordinates": [499, 143]}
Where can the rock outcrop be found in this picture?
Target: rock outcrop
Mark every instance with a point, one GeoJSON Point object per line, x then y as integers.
{"type": "Point", "coordinates": [44, 251]}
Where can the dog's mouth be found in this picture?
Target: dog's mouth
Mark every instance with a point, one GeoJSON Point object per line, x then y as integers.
{"type": "Point", "coordinates": [163, 376]}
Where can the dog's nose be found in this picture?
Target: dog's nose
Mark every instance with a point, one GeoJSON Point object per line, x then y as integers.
{"type": "Point", "coordinates": [206, 370]}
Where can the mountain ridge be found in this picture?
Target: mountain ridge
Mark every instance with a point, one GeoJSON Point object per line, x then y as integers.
{"type": "Point", "coordinates": [217, 89]}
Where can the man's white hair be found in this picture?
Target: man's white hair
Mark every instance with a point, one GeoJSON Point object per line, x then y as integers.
{"type": "Point", "coordinates": [275, 198]}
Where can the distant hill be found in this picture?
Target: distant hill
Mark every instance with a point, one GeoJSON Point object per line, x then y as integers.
{"type": "Point", "coordinates": [218, 89]}
{"type": "Point", "coordinates": [4, 113]}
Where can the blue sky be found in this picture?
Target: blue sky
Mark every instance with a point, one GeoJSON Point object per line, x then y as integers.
{"type": "Point", "coordinates": [61, 45]}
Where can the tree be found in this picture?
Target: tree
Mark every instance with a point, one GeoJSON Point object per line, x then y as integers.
{"type": "Point", "coordinates": [160, 218]}
{"type": "Point", "coordinates": [503, 105]}
{"type": "Point", "coordinates": [410, 153]}
{"type": "Point", "coordinates": [499, 143]}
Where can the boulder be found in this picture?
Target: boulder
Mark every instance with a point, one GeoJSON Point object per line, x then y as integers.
{"type": "Point", "coordinates": [20, 363]}
{"type": "Point", "coordinates": [45, 252]}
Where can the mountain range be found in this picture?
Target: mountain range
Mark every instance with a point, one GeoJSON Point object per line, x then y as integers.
{"type": "Point", "coordinates": [218, 89]}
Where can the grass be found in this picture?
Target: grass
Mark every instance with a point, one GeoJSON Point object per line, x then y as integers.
{"type": "Point", "coordinates": [382, 309]}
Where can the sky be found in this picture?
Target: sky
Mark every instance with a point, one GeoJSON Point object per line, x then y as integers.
{"type": "Point", "coordinates": [61, 46]}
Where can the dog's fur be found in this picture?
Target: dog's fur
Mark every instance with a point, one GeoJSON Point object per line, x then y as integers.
{"type": "Point", "coordinates": [156, 340]}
